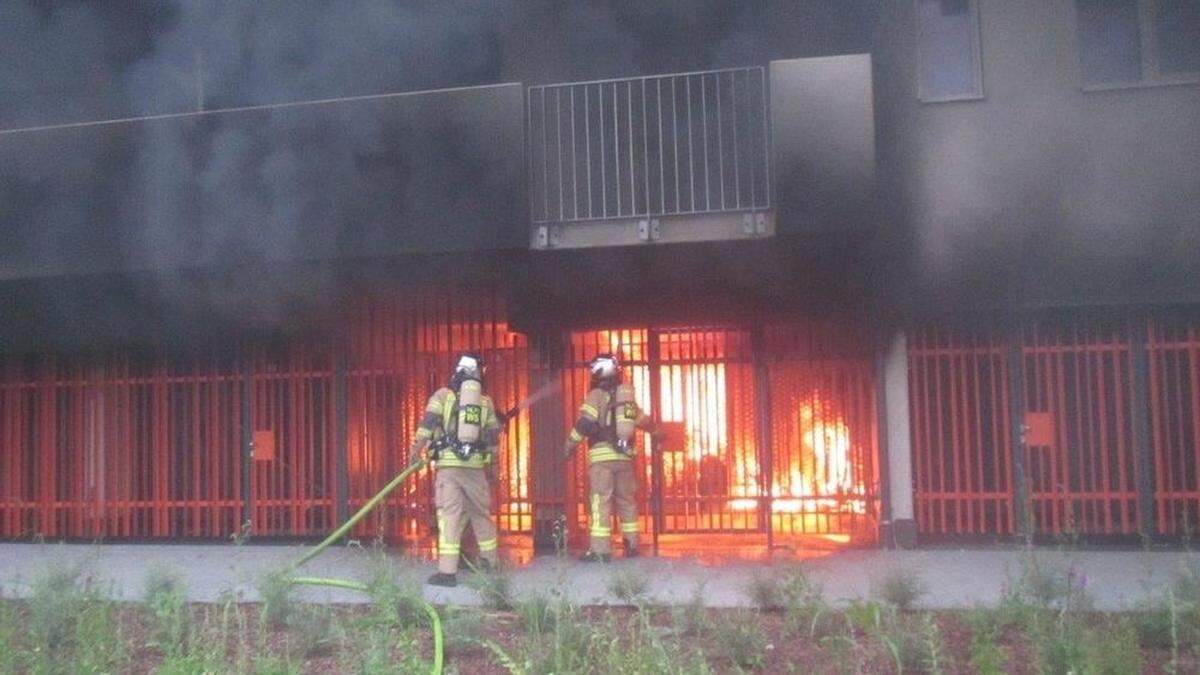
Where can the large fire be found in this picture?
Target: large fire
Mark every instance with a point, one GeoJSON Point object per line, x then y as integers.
{"type": "Point", "coordinates": [812, 470]}
{"type": "Point", "coordinates": [816, 477]}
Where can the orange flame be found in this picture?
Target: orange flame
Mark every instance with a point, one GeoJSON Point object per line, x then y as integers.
{"type": "Point", "coordinates": [816, 476]}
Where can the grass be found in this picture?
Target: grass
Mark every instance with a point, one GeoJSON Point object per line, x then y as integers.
{"type": "Point", "coordinates": [901, 588]}
{"type": "Point", "coordinates": [628, 585]}
{"type": "Point", "coordinates": [494, 587]}
{"type": "Point", "coordinates": [985, 654]}
{"type": "Point", "coordinates": [69, 626]}
{"type": "Point", "coordinates": [165, 599]}
{"type": "Point", "coordinates": [275, 594]}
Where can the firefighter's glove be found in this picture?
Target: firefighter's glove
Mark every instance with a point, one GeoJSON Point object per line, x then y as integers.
{"type": "Point", "coordinates": [416, 453]}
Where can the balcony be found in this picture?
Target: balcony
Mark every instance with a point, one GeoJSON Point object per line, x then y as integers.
{"type": "Point", "coordinates": [666, 158]}
{"type": "Point", "coordinates": [697, 156]}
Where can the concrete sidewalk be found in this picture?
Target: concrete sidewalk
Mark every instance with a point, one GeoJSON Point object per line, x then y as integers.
{"type": "Point", "coordinates": [956, 578]}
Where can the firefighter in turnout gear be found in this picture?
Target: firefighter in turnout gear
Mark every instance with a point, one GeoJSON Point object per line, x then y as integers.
{"type": "Point", "coordinates": [608, 419]}
{"type": "Point", "coordinates": [462, 431]}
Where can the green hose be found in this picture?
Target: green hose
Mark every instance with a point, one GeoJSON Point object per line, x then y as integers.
{"type": "Point", "coordinates": [367, 508]}
{"type": "Point", "coordinates": [434, 620]}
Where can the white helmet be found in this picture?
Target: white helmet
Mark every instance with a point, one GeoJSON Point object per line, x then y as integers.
{"type": "Point", "coordinates": [605, 367]}
{"type": "Point", "coordinates": [469, 367]}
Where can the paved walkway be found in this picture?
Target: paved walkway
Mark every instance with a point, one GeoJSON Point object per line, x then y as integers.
{"type": "Point", "coordinates": [957, 578]}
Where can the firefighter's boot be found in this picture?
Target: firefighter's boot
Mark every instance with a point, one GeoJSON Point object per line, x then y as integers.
{"type": "Point", "coordinates": [592, 556]}
{"type": "Point", "coordinates": [631, 550]}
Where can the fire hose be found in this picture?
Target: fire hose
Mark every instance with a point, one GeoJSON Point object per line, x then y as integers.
{"type": "Point", "coordinates": [434, 621]}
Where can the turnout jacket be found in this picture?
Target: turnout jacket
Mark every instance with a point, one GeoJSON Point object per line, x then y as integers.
{"type": "Point", "coordinates": [597, 423]}
{"type": "Point", "coordinates": [440, 420]}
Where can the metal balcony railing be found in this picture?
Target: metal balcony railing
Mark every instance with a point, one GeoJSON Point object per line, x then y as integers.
{"type": "Point", "coordinates": [687, 143]}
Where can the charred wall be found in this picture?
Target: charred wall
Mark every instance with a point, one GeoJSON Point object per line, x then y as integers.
{"type": "Point", "coordinates": [391, 175]}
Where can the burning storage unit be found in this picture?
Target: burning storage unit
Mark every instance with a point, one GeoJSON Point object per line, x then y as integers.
{"type": "Point", "coordinates": [284, 438]}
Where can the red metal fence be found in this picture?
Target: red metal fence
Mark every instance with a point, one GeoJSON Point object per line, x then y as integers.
{"type": "Point", "coordinates": [292, 489]}
{"type": "Point", "coordinates": [1080, 407]}
{"type": "Point", "coordinates": [141, 445]}
{"type": "Point", "coordinates": [399, 351]}
{"type": "Point", "coordinates": [962, 460]}
{"type": "Point", "coordinates": [1082, 477]}
{"type": "Point", "coordinates": [120, 445]}
{"type": "Point", "coordinates": [285, 437]}
{"type": "Point", "coordinates": [1174, 351]}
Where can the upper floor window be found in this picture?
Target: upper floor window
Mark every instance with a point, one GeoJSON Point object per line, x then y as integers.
{"type": "Point", "coordinates": [1126, 42]}
{"type": "Point", "coordinates": [949, 67]}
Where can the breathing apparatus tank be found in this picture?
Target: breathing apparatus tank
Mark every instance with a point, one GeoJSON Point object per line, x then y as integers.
{"type": "Point", "coordinates": [469, 426]}
{"type": "Point", "coordinates": [626, 413]}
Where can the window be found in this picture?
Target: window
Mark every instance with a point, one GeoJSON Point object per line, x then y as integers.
{"type": "Point", "coordinates": [1124, 42]}
{"type": "Point", "coordinates": [948, 55]}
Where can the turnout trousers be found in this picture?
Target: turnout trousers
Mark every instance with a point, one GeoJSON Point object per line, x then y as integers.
{"type": "Point", "coordinates": [463, 496]}
{"type": "Point", "coordinates": [610, 482]}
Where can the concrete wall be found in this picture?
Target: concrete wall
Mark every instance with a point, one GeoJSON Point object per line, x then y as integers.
{"type": "Point", "coordinates": [1041, 192]}
{"type": "Point", "coordinates": [567, 41]}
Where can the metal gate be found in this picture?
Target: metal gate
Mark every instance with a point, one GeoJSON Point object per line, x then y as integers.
{"type": "Point", "coordinates": [1079, 409]}
{"type": "Point", "coordinates": [1082, 474]}
{"type": "Point", "coordinates": [823, 429]}
{"type": "Point", "coordinates": [120, 445]}
{"type": "Point", "coordinates": [713, 386]}
{"type": "Point", "coordinates": [151, 444]}
{"type": "Point", "coordinates": [1174, 356]}
{"type": "Point", "coordinates": [291, 475]}
{"type": "Point", "coordinates": [398, 351]}
{"type": "Point", "coordinates": [961, 440]}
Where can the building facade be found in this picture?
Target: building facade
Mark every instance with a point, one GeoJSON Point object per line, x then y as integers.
{"type": "Point", "coordinates": [888, 274]}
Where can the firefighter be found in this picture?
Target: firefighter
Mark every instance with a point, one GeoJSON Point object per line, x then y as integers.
{"type": "Point", "coordinates": [608, 418]}
{"type": "Point", "coordinates": [461, 429]}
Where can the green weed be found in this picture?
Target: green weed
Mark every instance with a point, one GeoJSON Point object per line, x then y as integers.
{"type": "Point", "coordinates": [312, 631]}
{"type": "Point", "coordinates": [494, 587]}
{"type": "Point", "coordinates": [275, 594]}
{"type": "Point", "coordinates": [765, 591]}
{"type": "Point", "coordinates": [628, 585]}
{"type": "Point", "coordinates": [901, 588]}
{"type": "Point", "coordinates": [640, 648]}
{"type": "Point", "coordinates": [737, 638]}
{"type": "Point", "coordinates": [536, 613]}
{"type": "Point", "coordinates": [984, 652]}
{"type": "Point", "coordinates": [691, 618]}
{"type": "Point", "coordinates": [165, 600]}
{"type": "Point", "coordinates": [463, 628]}
{"type": "Point", "coordinates": [1050, 585]}
{"type": "Point", "coordinates": [71, 626]}
{"type": "Point", "coordinates": [9, 630]}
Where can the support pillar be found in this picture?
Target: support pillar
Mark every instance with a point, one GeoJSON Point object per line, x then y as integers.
{"type": "Point", "coordinates": [549, 465]}
{"type": "Point", "coordinates": [899, 527]}
{"type": "Point", "coordinates": [1016, 405]}
{"type": "Point", "coordinates": [341, 433]}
